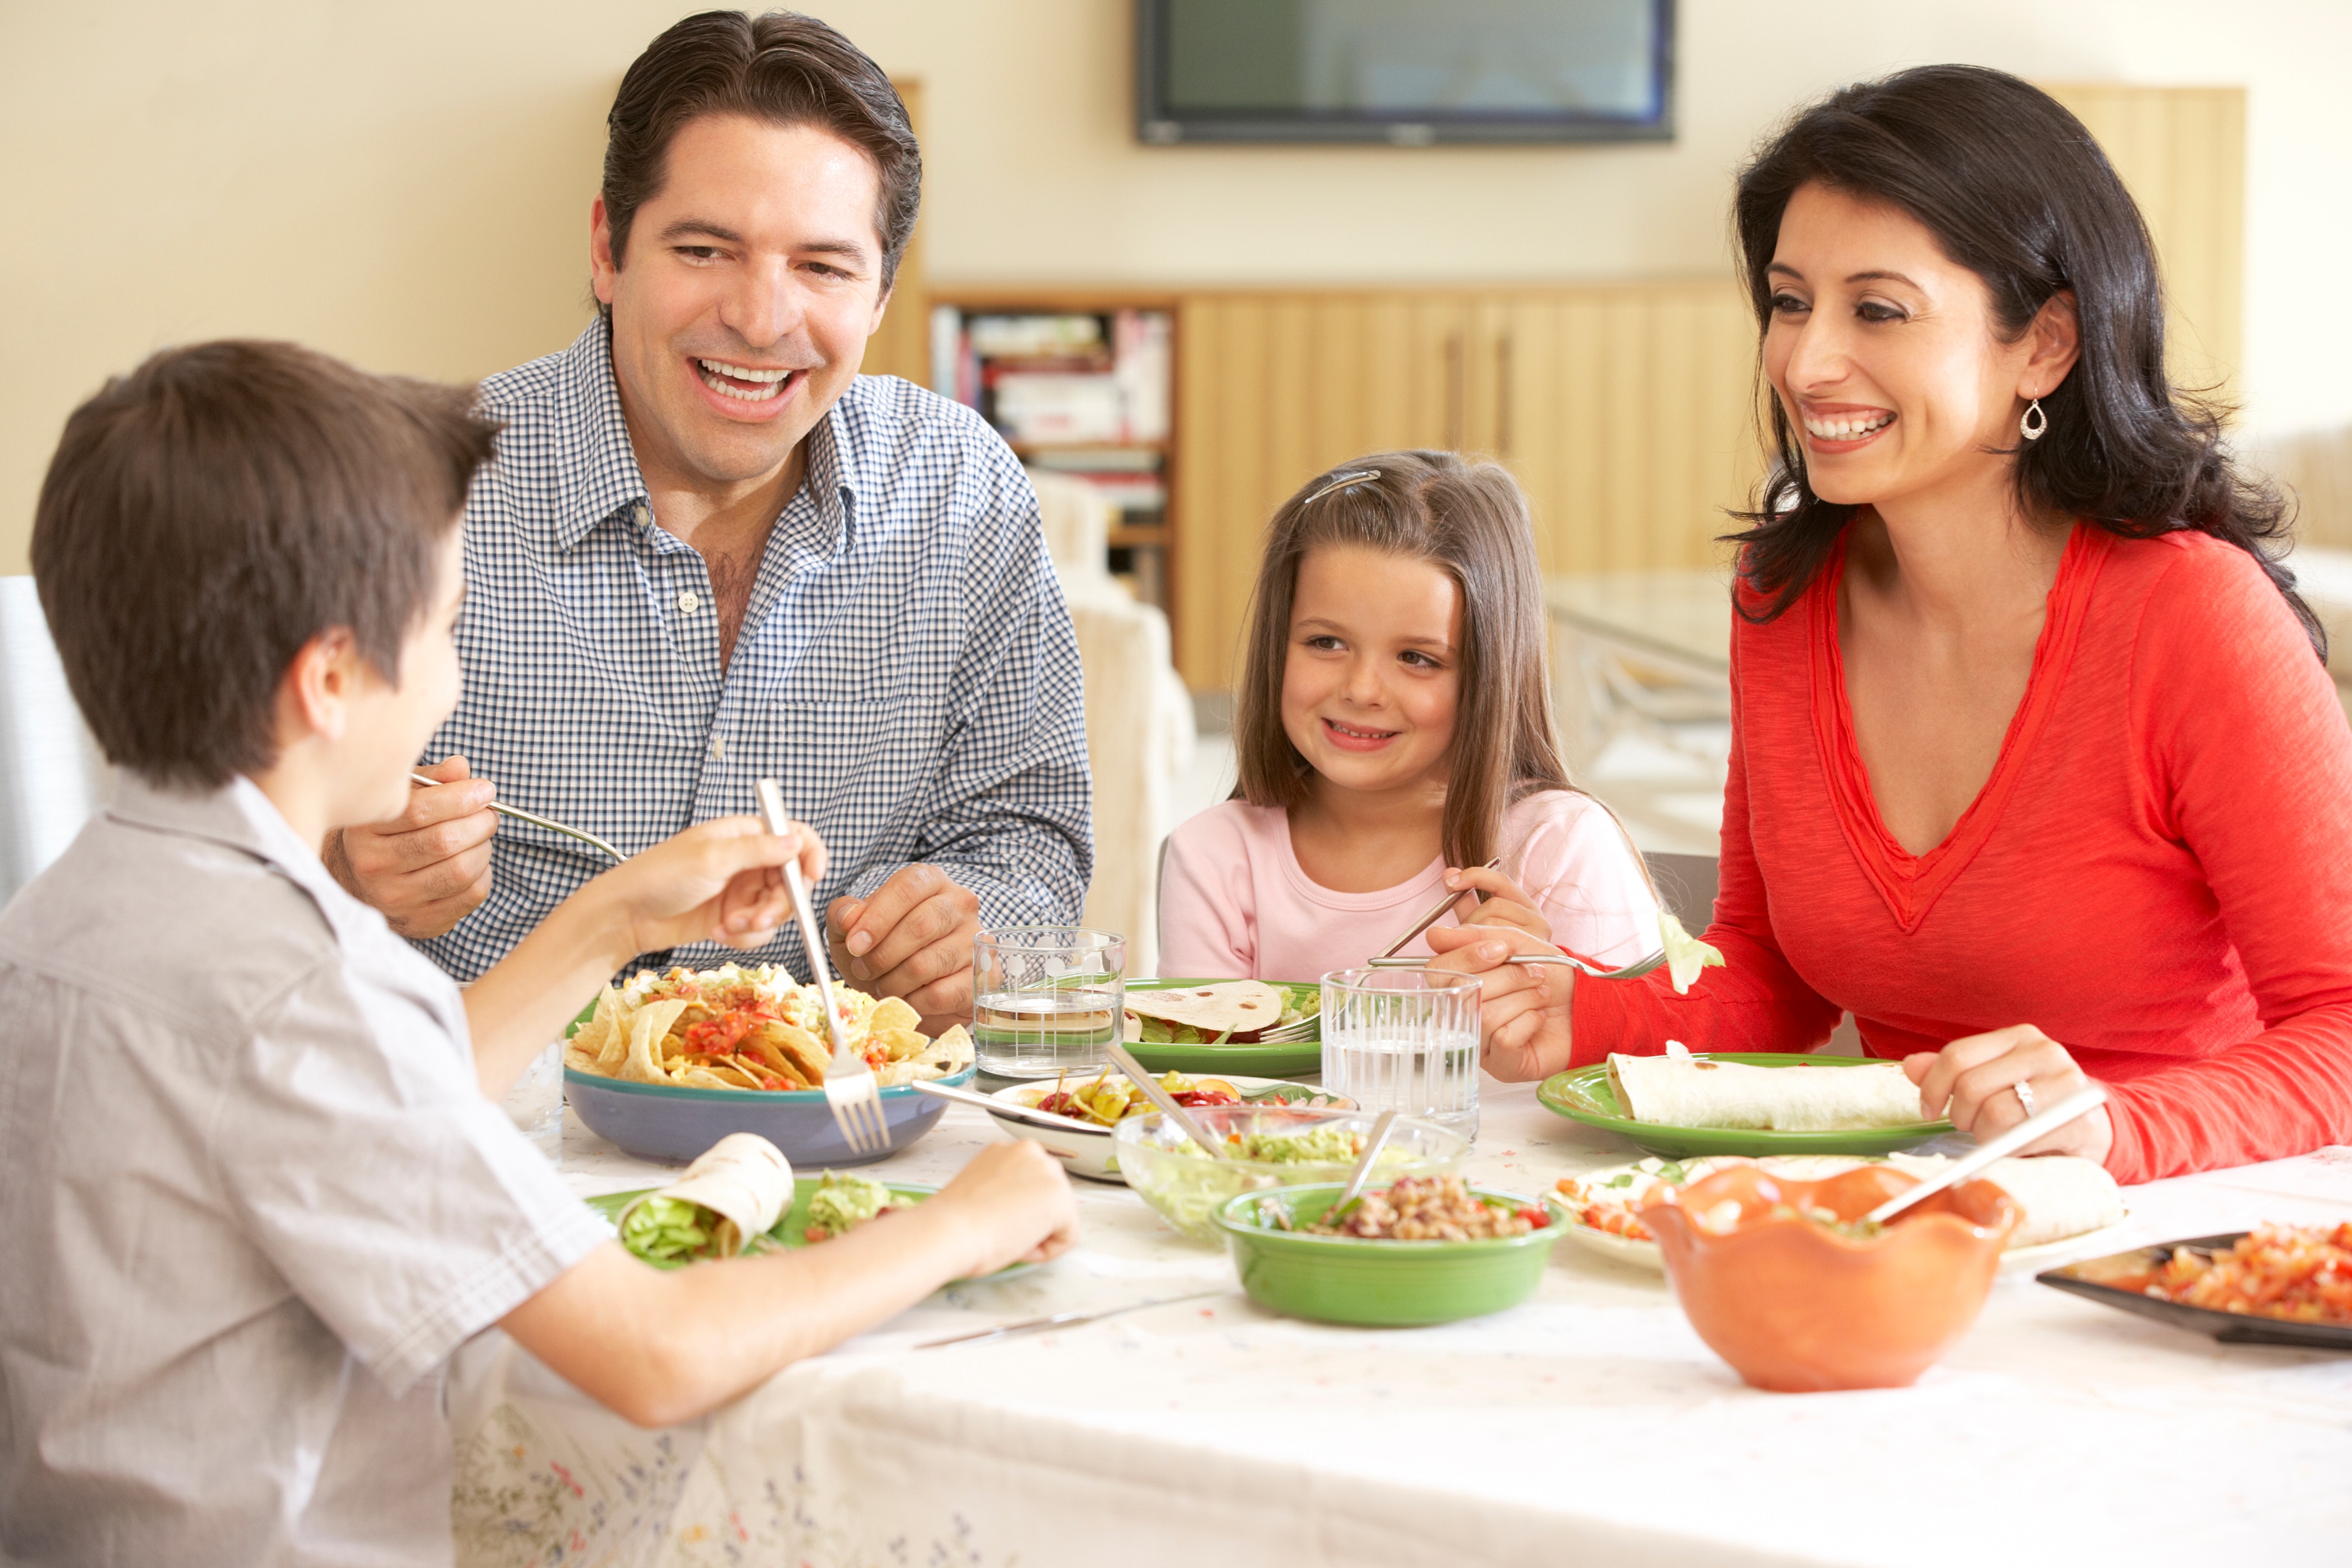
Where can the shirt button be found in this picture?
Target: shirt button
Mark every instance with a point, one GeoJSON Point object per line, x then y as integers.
{"type": "Point", "coordinates": [644, 514]}
{"type": "Point", "coordinates": [718, 748]}
{"type": "Point", "coordinates": [689, 602]}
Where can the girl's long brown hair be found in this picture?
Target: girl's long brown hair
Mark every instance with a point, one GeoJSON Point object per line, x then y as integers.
{"type": "Point", "coordinates": [1470, 519]}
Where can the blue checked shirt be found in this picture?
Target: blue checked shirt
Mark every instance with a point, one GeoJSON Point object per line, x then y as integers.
{"type": "Point", "coordinates": [905, 667]}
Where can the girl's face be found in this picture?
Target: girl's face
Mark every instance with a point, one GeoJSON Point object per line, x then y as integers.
{"type": "Point", "coordinates": [1371, 679]}
{"type": "Point", "coordinates": [1887, 356]}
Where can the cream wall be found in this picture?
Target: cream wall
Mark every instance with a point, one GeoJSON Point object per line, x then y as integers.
{"type": "Point", "coordinates": [407, 184]}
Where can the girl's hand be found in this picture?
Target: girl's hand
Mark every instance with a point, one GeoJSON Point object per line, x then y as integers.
{"type": "Point", "coordinates": [1505, 905]}
{"type": "Point", "coordinates": [1974, 1079]}
{"type": "Point", "coordinates": [1522, 1008]}
{"type": "Point", "coordinates": [716, 882]}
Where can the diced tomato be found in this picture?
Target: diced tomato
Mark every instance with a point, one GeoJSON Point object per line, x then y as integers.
{"type": "Point", "coordinates": [1533, 1216]}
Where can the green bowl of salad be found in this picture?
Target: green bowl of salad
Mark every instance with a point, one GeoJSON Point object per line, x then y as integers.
{"type": "Point", "coordinates": [1265, 1146]}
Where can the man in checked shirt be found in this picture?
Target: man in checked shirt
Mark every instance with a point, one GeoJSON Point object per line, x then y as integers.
{"type": "Point", "coordinates": [707, 551]}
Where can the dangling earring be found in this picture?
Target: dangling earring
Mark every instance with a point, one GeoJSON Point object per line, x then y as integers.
{"type": "Point", "coordinates": [2034, 422]}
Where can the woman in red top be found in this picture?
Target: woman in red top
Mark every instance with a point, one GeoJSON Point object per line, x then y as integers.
{"type": "Point", "coordinates": [2036, 767]}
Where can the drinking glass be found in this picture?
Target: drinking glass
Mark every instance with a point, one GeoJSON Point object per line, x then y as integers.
{"type": "Point", "coordinates": [1046, 999]}
{"type": "Point", "coordinates": [1404, 1040]}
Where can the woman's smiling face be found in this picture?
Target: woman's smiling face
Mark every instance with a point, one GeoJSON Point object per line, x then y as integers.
{"type": "Point", "coordinates": [1887, 358]}
{"type": "Point", "coordinates": [1373, 677]}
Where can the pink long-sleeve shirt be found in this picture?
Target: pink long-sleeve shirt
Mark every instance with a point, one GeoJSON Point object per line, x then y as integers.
{"type": "Point", "coordinates": [1235, 903]}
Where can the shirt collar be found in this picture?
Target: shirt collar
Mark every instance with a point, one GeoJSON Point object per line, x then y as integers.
{"type": "Point", "coordinates": [606, 480]}
{"type": "Point", "coordinates": [240, 816]}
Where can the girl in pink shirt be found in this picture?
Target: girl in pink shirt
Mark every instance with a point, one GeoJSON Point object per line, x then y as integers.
{"type": "Point", "coordinates": [1393, 734]}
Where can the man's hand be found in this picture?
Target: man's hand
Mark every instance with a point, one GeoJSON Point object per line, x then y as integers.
{"type": "Point", "coordinates": [429, 867]}
{"type": "Point", "coordinates": [1523, 1009]}
{"type": "Point", "coordinates": [913, 939]}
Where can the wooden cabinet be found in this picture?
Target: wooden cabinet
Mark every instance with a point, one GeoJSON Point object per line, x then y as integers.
{"type": "Point", "coordinates": [1625, 411]}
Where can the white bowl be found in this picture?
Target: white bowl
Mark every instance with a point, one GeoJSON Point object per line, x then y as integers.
{"type": "Point", "coordinates": [1089, 1153]}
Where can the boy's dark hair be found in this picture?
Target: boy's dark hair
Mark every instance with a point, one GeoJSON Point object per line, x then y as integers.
{"type": "Point", "coordinates": [782, 68]}
{"type": "Point", "coordinates": [211, 512]}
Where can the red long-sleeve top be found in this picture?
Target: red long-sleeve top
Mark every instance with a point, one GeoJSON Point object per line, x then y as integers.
{"type": "Point", "coordinates": [2158, 873]}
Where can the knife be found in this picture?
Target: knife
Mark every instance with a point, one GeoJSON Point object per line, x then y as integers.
{"type": "Point", "coordinates": [1062, 1320]}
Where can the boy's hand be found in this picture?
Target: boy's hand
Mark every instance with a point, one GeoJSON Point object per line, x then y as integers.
{"type": "Point", "coordinates": [1506, 903]}
{"type": "Point", "coordinates": [1523, 1009]}
{"type": "Point", "coordinates": [911, 938]}
{"type": "Point", "coordinates": [716, 882]}
{"type": "Point", "coordinates": [429, 867]}
{"type": "Point", "coordinates": [1014, 1205]}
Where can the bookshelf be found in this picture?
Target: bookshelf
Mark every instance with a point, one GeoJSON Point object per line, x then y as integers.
{"type": "Point", "coordinates": [1083, 382]}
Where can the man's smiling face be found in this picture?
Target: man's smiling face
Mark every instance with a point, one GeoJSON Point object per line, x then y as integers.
{"type": "Point", "coordinates": [741, 306]}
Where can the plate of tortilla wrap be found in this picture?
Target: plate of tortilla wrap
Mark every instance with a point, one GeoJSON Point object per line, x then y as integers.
{"type": "Point", "coordinates": [1213, 1026]}
{"type": "Point", "coordinates": [1744, 1102]}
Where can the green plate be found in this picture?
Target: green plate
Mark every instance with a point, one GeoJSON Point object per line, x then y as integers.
{"type": "Point", "coordinates": [1381, 1284]}
{"type": "Point", "coordinates": [1247, 1057]}
{"type": "Point", "coordinates": [791, 1230]}
{"type": "Point", "coordinates": [1583, 1094]}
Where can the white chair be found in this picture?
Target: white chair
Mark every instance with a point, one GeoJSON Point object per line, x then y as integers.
{"type": "Point", "coordinates": [51, 775]}
{"type": "Point", "coordinates": [1140, 722]}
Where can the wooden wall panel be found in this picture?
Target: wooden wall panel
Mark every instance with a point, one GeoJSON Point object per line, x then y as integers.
{"type": "Point", "coordinates": [2182, 152]}
{"type": "Point", "coordinates": [1622, 409]}
{"type": "Point", "coordinates": [901, 346]}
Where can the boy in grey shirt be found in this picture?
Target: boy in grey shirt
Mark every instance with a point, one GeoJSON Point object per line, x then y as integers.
{"type": "Point", "coordinates": [256, 1188]}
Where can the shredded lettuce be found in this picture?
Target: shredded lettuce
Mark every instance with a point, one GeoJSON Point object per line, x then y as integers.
{"type": "Point", "coordinates": [670, 1231]}
{"type": "Point", "coordinates": [1685, 953]}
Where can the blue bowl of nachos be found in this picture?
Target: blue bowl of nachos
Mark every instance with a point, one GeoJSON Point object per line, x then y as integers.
{"type": "Point", "coordinates": [665, 1065]}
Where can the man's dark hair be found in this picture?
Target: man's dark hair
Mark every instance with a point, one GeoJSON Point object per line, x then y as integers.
{"type": "Point", "coordinates": [782, 68]}
{"type": "Point", "coordinates": [211, 512]}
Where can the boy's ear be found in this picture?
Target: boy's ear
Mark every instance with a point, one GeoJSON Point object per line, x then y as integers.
{"type": "Point", "coordinates": [314, 697]}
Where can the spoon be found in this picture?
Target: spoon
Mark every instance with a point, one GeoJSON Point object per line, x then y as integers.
{"type": "Point", "coordinates": [2079, 1104]}
{"type": "Point", "coordinates": [1357, 1177]}
{"type": "Point", "coordinates": [1124, 1060]}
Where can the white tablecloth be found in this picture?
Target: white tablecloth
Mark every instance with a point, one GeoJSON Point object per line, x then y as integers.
{"type": "Point", "coordinates": [1589, 1424]}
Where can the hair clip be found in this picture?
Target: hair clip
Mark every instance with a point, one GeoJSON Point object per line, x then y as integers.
{"type": "Point", "coordinates": [1341, 482]}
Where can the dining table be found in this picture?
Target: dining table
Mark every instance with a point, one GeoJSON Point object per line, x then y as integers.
{"type": "Point", "coordinates": [1588, 1425]}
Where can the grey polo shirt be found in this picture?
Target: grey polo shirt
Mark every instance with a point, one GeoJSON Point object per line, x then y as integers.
{"type": "Point", "coordinates": [251, 1198]}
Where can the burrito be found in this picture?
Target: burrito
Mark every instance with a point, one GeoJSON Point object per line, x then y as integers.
{"type": "Point", "coordinates": [737, 1189]}
{"type": "Point", "coordinates": [2061, 1195]}
{"type": "Point", "coordinates": [1680, 1091]}
{"type": "Point", "coordinates": [1230, 1009]}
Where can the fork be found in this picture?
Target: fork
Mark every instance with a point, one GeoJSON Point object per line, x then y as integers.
{"type": "Point", "coordinates": [1634, 970]}
{"type": "Point", "coordinates": [520, 815]}
{"type": "Point", "coordinates": [851, 1089]}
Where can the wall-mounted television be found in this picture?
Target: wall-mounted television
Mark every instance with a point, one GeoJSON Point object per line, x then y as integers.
{"type": "Point", "coordinates": [1406, 72]}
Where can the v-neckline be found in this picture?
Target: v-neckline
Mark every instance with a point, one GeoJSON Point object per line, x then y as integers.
{"type": "Point", "coordinates": [1911, 883]}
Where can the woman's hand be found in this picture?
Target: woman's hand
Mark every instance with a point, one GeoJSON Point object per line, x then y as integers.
{"type": "Point", "coordinates": [1506, 903]}
{"type": "Point", "coordinates": [1522, 1008]}
{"type": "Point", "coordinates": [716, 882]}
{"type": "Point", "coordinates": [1974, 1080]}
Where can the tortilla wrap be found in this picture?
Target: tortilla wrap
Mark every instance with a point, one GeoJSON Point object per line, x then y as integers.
{"type": "Point", "coordinates": [1229, 1007]}
{"type": "Point", "coordinates": [1677, 1090]}
{"type": "Point", "coordinates": [2061, 1195]}
{"type": "Point", "coordinates": [742, 1178]}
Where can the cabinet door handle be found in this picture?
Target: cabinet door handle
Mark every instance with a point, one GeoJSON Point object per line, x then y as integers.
{"type": "Point", "coordinates": [1503, 395]}
{"type": "Point", "coordinates": [1456, 391]}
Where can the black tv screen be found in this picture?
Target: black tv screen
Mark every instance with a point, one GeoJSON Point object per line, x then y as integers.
{"type": "Point", "coordinates": [1405, 71]}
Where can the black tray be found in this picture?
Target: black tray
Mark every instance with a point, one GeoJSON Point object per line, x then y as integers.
{"type": "Point", "coordinates": [2230, 1328]}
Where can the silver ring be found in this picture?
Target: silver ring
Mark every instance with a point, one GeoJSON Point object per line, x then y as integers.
{"type": "Point", "coordinates": [2024, 1092]}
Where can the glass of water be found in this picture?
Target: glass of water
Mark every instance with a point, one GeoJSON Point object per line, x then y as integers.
{"type": "Point", "coordinates": [1046, 999]}
{"type": "Point", "coordinates": [1404, 1040]}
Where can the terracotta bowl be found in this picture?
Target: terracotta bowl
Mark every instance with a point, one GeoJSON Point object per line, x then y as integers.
{"type": "Point", "coordinates": [1795, 1306]}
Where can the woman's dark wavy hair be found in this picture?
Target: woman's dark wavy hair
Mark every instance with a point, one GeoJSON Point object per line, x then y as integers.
{"type": "Point", "coordinates": [2014, 189]}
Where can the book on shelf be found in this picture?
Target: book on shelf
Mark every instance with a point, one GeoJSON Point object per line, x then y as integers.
{"type": "Point", "coordinates": [1045, 378]}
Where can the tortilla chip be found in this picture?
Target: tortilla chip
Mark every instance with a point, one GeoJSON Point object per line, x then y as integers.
{"type": "Point", "coordinates": [901, 1043]}
{"type": "Point", "coordinates": [808, 1057]}
{"type": "Point", "coordinates": [892, 1012]}
{"type": "Point", "coordinates": [703, 1077]}
{"type": "Point", "coordinates": [580, 1060]}
{"type": "Point", "coordinates": [648, 1027]}
{"type": "Point", "coordinates": [602, 1036]}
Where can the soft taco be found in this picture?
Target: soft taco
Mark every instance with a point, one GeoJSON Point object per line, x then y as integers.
{"type": "Point", "coordinates": [736, 1190]}
{"type": "Point", "coordinates": [1681, 1091]}
{"type": "Point", "coordinates": [1229, 1009]}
